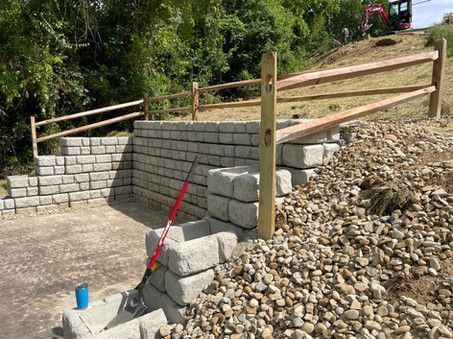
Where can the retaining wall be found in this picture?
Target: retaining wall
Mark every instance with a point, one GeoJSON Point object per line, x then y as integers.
{"type": "Point", "coordinates": [91, 171]}
{"type": "Point", "coordinates": [163, 152]}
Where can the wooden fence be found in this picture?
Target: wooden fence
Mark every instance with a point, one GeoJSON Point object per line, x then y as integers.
{"type": "Point", "coordinates": [270, 85]}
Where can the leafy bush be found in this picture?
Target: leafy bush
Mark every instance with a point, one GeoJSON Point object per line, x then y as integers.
{"type": "Point", "coordinates": [442, 31]}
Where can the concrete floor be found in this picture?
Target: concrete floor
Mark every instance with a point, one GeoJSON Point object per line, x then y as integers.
{"type": "Point", "coordinates": [42, 258]}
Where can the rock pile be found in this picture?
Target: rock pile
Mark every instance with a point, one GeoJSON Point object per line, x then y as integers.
{"type": "Point", "coordinates": [364, 250]}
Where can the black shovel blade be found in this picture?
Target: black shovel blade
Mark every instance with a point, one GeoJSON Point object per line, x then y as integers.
{"type": "Point", "coordinates": [134, 308]}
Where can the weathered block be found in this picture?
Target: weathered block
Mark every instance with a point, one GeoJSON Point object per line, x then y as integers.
{"type": "Point", "coordinates": [45, 160]}
{"type": "Point", "coordinates": [329, 150]}
{"type": "Point", "coordinates": [242, 234]}
{"type": "Point", "coordinates": [17, 181]}
{"type": "Point", "coordinates": [71, 142]}
{"type": "Point", "coordinates": [78, 196]}
{"type": "Point", "coordinates": [27, 202]}
{"type": "Point", "coordinates": [50, 180]}
{"type": "Point", "coordinates": [155, 299]}
{"type": "Point", "coordinates": [8, 204]}
{"type": "Point", "coordinates": [73, 169]}
{"type": "Point", "coordinates": [157, 279]}
{"type": "Point", "coordinates": [45, 190]}
{"type": "Point", "coordinates": [302, 156]}
{"type": "Point", "coordinates": [220, 181]}
{"type": "Point", "coordinates": [185, 289]}
{"type": "Point", "coordinates": [218, 206]}
{"type": "Point", "coordinates": [60, 198]}
{"type": "Point", "coordinates": [243, 214]}
{"type": "Point", "coordinates": [85, 159]}
{"type": "Point", "coordinates": [17, 192]}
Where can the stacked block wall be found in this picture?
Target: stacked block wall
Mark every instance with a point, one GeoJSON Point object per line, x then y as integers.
{"type": "Point", "coordinates": [91, 170]}
{"type": "Point", "coordinates": [164, 150]}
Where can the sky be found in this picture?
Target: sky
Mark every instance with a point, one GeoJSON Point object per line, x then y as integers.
{"type": "Point", "coordinates": [428, 13]}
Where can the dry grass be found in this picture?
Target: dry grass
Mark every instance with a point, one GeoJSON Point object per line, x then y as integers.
{"type": "Point", "coordinates": [353, 54]}
{"type": "Point", "coordinates": [3, 192]}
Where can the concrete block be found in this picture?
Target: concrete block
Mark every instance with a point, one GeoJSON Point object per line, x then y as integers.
{"type": "Point", "coordinates": [102, 166]}
{"type": "Point", "coordinates": [124, 141]}
{"type": "Point", "coordinates": [68, 179]}
{"type": "Point", "coordinates": [243, 214]}
{"type": "Point", "coordinates": [46, 190]}
{"type": "Point", "coordinates": [242, 139]}
{"type": "Point", "coordinates": [45, 160]}
{"type": "Point", "coordinates": [98, 150]}
{"type": "Point", "coordinates": [71, 142]}
{"type": "Point", "coordinates": [73, 169]}
{"type": "Point", "coordinates": [26, 202]}
{"type": "Point", "coordinates": [17, 192]}
{"type": "Point", "coordinates": [104, 158]}
{"type": "Point", "coordinates": [218, 226]}
{"type": "Point", "coordinates": [329, 150]}
{"type": "Point", "coordinates": [227, 242]}
{"type": "Point", "coordinates": [85, 150]}
{"type": "Point", "coordinates": [220, 180]}
{"type": "Point", "coordinates": [78, 196]}
{"type": "Point", "coordinates": [240, 126]}
{"type": "Point", "coordinates": [185, 289]}
{"type": "Point", "coordinates": [9, 204]}
{"type": "Point", "coordinates": [194, 256]}
{"type": "Point", "coordinates": [151, 323]}
{"type": "Point", "coordinates": [68, 188]}
{"type": "Point", "coordinates": [83, 177]}
{"type": "Point", "coordinates": [157, 279]}
{"type": "Point", "coordinates": [152, 239]}
{"type": "Point", "coordinates": [109, 141]}
{"type": "Point", "coordinates": [155, 299]}
{"type": "Point", "coordinates": [246, 185]}
{"type": "Point", "coordinates": [95, 141]}
{"type": "Point", "coordinates": [189, 231]}
{"type": "Point", "coordinates": [87, 168]}
{"type": "Point", "coordinates": [59, 170]}
{"type": "Point", "coordinates": [301, 176]}
{"type": "Point", "coordinates": [60, 198]}
{"type": "Point", "coordinates": [72, 151]}
{"type": "Point", "coordinates": [302, 156]}
{"type": "Point", "coordinates": [17, 181]}
{"type": "Point", "coordinates": [226, 138]}
{"type": "Point", "coordinates": [85, 159]}
{"type": "Point", "coordinates": [60, 160]}
{"type": "Point", "coordinates": [32, 191]}
{"type": "Point", "coordinates": [50, 180]}
{"type": "Point", "coordinates": [45, 200]}
{"type": "Point", "coordinates": [94, 185]}
{"type": "Point", "coordinates": [218, 206]}
{"type": "Point", "coordinates": [70, 160]}
{"type": "Point", "coordinates": [99, 176]}
{"type": "Point", "coordinates": [32, 181]}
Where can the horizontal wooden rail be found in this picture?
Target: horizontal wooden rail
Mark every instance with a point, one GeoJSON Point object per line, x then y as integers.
{"type": "Point", "coordinates": [349, 72]}
{"type": "Point", "coordinates": [361, 92]}
{"type": "Point", "coordinates": [168, 110]}
{"type": "Point", "coordinates": [248, 103]}
{"type": "Point", "coordinates": [170, 96]}
{"type": "Point", "coordinates": [320, 124]}
{"type": "Point", "coordinates": [253, 82]}
{"type": "Point", "coordinates": [91, 126]}
{"type": "Point", "coordinates": [91, 112]}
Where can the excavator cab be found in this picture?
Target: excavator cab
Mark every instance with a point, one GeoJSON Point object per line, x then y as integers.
{"type": "Point", "coordinates": [400, 14]}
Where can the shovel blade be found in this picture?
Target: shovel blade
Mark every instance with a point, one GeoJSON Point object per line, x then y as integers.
{"type": "Point", "coordinates": [134, 308]}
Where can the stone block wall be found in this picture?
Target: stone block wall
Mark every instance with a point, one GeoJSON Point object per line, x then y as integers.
{"type": "Point", "coordinates": [164, 150]}
{"type": "Point", "coordinates": [93, 170]}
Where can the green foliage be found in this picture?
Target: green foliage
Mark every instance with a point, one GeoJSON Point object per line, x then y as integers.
{"type": "Point", "coordinates": [442, 32]}
{"type": "Point", "coordinates": [59, 57]}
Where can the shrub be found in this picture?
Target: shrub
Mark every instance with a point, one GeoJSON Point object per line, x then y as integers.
{"type": "Point", "coordinates": [442, 31]}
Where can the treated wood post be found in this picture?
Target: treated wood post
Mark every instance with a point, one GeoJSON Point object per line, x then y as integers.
{"type": "Point", "coordinates": [195, 100]}
{"type": "Point", "coordinates": [33, 136]}
{"type": "Point", "coordinates": [435, 100]}
{"type": "Point", "coordinates": [145, 105]}
{"type": "Point", "coordinates": [266, 218]}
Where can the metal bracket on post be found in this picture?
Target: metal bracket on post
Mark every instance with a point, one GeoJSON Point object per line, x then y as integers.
{"type": "Point", "coordinates": [266, 218]}
{"type": "Point", "coordinates": [195, 100]}
{"type": "Point", "coordinates": [33, 136]}
{"type": "Point", "coordinates": [146, 106]}
{"type": "Point", "coordinates": [435, 100]}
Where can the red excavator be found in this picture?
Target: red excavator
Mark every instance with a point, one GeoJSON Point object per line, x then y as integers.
{"type": "Point", "coordinates": [398, 18]}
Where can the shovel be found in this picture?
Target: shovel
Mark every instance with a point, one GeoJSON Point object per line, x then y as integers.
{"type": "Point", "coordinates": [135, 305]}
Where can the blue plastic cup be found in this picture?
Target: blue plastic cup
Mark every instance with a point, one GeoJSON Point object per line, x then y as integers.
{"type": "Point", "coordinates": [81, 293]}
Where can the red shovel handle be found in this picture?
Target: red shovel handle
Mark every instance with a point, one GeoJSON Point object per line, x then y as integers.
{"type": "Point", "coordinates": [173, 214]}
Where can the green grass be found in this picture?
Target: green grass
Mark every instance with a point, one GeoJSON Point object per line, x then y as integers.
{"type": "Point", "coordinates": [442, 31]}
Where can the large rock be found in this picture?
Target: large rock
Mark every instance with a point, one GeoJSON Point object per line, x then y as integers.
{"type": "Point", "coordinates": [185, 289]}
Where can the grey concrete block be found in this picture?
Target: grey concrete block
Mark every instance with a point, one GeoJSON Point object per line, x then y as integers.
{"type": "Point", "coordinates": [60, 198]}
{"type": "Point", "coordinates": [44, 170]}
{"type": "Point", "coordinates": [32, 191]}
{"type": "Point", "coordinates": [227, 242]}
{"type": "Point", "coordinates": [189, 231]}
{"type": "Point", "coordinates": [45, 200]}
{"type": "Point", "coordinates": [329, 150]}
{"type": "Point", "coordinates": [45, 160]}
{"type": "Point", "coordinates": [157, 279]}
{"type": "Point", "coordinates": [26, 202]}
{"type": "Point", "coordinates": [60, 160]}
{"type": "Point", "coordinates": [59, 170]}
{"type": "Point", "coordinates": [78, 196]}
{"type": "Point", "coordinates": [194, 256]}
{"type": "Point", "coordinates": [17, 192]}
{"type": "Point", "coordinates": [72, 151]}
{"type": "Point", "coordinates": [86, 142]}
{"type": "Point", "coordinates": [85, 150]}
{"type": "Point", "coordinates": [124, 141]}
{"type": "Point", "coordinates": [212, 138]}
{"type": "Point", "coordinates": [68, 188]}
{"type": "Point", "coordinates": [17, 181]}
{"type": "Point", "coordinates": [151, 323]}
{"type": "Point", "coordinates": [218, 226]}
{"type": "Point", "coordinates": [98, 150]}
{"type": "Point", "coordinates": [71, 142]}
{"type": "Point", "coordinates": [152, 239]}
{"type": "Point", "coordinates": [220, 181]}
{"type": "Point", "coordinates": [246, 185]}
{"type": "Point", "coordinates": [218, 206]}
{"type": "Point", "coordinates": [70, 160]}
{"type": "Point", "coordinates": [102, 167]}
{"type": "Point", "coordinates": [45, 190]}
{"type": "Point", "coordinates": [302, 156]}
{"type": "Point", "coordinates": [104, 158]}
{"type": "Point", "coordinates": [301, 176]}
{"type": "Point", "coordinates": [85, 159]}
{"type": "Point", "coordinates": [73, 169]}
{"type": "Point", "coordinates": [226, 138]}
{"type": "Point", "coordinates": [83, 177]}
{"type": "Point", "coordinates": [242, 139]}
{"type": "Point", "coordinates": [109, 141]}
{"type": "Point", "coordinates": [243, 214]}
{"type": "Point", "coordinates": [87, 168]}
{"type": "Point", "coordinates": [50, 180]}
{"type": "Point", "coordinates": [99, 176]}
{"type": "Point", "coordinates": [155, 299]}
{"type": "Point", "coordinates": [68, 179]}
{"type": "Point", "coordinates": [185, 289]}
{"type": "Point", "coordinates": [94, 185]}
{"type": "Point", "coordinates": [9, 204]}
{"type": "Point", "coordinates": [33, 181]}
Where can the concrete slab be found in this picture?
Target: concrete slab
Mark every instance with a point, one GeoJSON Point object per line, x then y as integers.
{"type": "Point", "coordinates": [44, 257]}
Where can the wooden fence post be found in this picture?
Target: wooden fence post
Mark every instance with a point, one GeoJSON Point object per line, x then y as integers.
{"type": "Point", "coordinates": [33, 136]}
{"type": "Point", "coordinates": [266, 218]}
{"type": "Point", "coordinates": [195, 100]}
{"type": "Point", "coordinates": [145, 105]}
{"type": "Point", "coordinates": [435, 100]}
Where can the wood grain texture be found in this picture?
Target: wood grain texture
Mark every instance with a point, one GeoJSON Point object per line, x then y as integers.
{"type": "Point", "coordinates": [435, 100]}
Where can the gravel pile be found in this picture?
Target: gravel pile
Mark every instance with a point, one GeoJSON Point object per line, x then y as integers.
{"type": "Point", "coordinates": [364, 250]}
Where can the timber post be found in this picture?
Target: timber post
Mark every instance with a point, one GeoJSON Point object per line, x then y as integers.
{"type": "Point", "coordinates": [34, 143]}
{"type": "Point", "coordinates": [195, 100]}
{"type": "Point", "coordinates": [146, 106]}
{"type": "Point", "coordinates": [435, 100]}
{"type": "Point", "coordinates": [266, 217]}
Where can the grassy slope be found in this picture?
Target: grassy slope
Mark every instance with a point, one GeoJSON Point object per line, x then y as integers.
{"type": "Point", "coordinates": [354, 54]}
